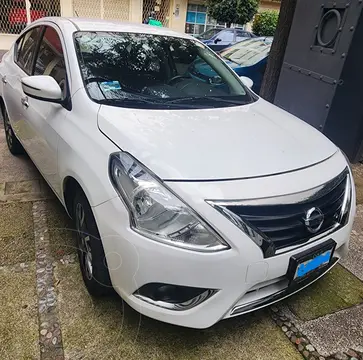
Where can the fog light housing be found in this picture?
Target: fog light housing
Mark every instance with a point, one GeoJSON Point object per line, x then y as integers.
{"type": "Point", "coordinates": [173, 297]}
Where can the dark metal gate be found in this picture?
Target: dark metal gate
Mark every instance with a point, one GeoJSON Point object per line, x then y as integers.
{"type": "Point", "coordinates": [321, 80]}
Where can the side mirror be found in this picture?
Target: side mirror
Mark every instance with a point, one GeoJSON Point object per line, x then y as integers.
{"type": "Point", "coordinates": [247, 81]}
{"type": "Point", "coordinates": [42, 87]}
{"type": "Point", "coordinates": [217, 40]}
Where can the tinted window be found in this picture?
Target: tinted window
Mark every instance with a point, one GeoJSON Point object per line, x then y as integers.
{"type": "Point", "coordinates": [50, 59]}
{"type": "Point", "coordinates": [226, 35]}
{"type": "Point", "coordinates": [208, 34]}
{"type": "Point", "coordinates": [18, 48]}
{"type": "Point", "coordinates": [27, 47]}
{"type": "Point", "coordinates": [248, 52]}
{"type": "Point", "coordinates": [242, 35]}
{"type": "Point", "coordinates": [155, 71]}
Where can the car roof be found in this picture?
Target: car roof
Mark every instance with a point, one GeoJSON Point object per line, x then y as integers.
{"type": "Point", "coordinates": [87, 24]}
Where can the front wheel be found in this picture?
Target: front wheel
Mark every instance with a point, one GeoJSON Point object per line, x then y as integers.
{"type": "Point", "coordinates": [13, 143]}
{"type": "Point", "coordinates": [91, 255]}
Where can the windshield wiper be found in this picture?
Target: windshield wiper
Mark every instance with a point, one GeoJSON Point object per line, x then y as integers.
{"type": "Point", "coordinates": [126, 100]}
{"type": "Point", "coordinates": [177, 100]}
{"type": "Point", "coordinates": [155, 102]}
{"type": "Point", "coordinates": [213, 98]}
{"type": "Point", "coordinates": [228, 101]}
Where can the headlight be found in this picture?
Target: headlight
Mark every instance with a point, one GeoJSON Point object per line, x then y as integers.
{"type": "Point", "coordinates": [156, 212]}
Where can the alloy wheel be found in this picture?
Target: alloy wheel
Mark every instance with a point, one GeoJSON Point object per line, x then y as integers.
{"type": "Point", "coordinates": [8, 131]}
{"type": "Point", "coordinates": [84, 241]}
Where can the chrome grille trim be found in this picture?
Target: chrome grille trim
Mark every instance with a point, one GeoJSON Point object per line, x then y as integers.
{"type": "Point", "coordinates": [279, 224]}
{"type": "Point", "coordinates": [186, 305]}
{"type": "Point", "coordinates": [269, 300]}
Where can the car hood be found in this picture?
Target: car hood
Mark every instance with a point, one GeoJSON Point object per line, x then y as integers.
{"type": "Point", "coordinates": [213, 144]}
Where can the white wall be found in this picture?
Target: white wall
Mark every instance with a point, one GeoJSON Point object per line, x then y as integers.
{"type": "Point", "coordinates": [6, 40]}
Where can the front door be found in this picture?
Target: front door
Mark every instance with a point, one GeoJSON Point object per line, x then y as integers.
{"type": "Point", "coordinates": [222, 40]}
{"type": "Point", "coordinates": [43, 117]}
{"type": "Point", "coordinates": [19, 64]}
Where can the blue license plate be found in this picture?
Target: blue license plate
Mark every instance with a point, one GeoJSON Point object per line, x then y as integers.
{"type": "Point", "coordinates": [310, 265]}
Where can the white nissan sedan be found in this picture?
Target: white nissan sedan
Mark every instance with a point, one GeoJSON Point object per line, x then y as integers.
{"type": "Point", "coordinates": [193, 198]}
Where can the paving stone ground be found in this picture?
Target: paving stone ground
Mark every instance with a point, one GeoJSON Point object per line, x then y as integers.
{"type": "Point", "coordinates": [19, 315]}
{"type": "Point", "coordinates": [354, 260]}
{"type": "Point", "coordinates": [46, 312]}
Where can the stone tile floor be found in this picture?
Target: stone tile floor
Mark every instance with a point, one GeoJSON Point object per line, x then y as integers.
{"type": "Point", "coordinates": [46, 312]}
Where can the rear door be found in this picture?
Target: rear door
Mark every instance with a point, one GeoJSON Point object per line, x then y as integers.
{"type": "Point", "coordinates": [44, 117]}
{"type": "Point", "coordinates": [223, 40]}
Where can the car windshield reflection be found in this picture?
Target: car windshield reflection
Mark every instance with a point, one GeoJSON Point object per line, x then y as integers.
{"type": "Point", "coordinates": [147, 70]}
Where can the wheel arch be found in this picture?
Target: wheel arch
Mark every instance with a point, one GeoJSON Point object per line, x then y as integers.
{"type": "Point", "coordinates": [2, 105]}
{"type": "Point", "coordinates": [69, 187]}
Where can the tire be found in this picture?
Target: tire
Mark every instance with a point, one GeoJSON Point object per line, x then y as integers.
{"type": "Point", "coordinates": [91, 255]}
{"type": "Point", "coordinates": [14, 145]}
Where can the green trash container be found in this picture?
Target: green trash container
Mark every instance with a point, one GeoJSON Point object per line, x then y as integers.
{"type": "Point", "coordinates": [155, 22]}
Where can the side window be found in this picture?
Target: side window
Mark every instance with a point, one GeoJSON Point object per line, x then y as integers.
{"type": "Point", "coordinates": [50, 59]}
{"type": "Point", "coordinates": [17, 48]}
{"type": "Point", "coordinates": [226, 35]}
{"type": "Point", "coordinates": [242, 35]}
{"type": "Point", "coordinates": [26, 48]}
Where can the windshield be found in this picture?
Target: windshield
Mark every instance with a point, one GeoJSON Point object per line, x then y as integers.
{"type": "Point", "coordinates": [154, 71]}
{"type": "Point", "coordinates": [248, 52]}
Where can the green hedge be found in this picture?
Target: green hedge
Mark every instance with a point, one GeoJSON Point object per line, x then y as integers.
{"type": "Point", "coordinates": [265, 23]}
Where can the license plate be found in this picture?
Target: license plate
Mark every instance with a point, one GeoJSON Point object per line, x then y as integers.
{"type": "Point", "coordinates": [307, 263]}
{"type": "Point", "coordinates": [305, 268]}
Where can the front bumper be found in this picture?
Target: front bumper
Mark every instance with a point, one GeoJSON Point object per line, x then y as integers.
{"type": "Point", "coordinates": [245, 280]}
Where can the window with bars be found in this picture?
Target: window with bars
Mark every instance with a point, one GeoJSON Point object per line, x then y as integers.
{"type": "Point", "coordinates": [15, 15]}
{"type": "Point", "coordinates": [106, 9]}
{"type": "Point", "coordinates": [157, 9]}
{"type": "Point", "coordinates": [197, 20]}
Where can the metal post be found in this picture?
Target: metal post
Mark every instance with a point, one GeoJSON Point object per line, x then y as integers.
{"type": "Point", "coordinates": [27, 7]}
{"type": "Point", "coordinates": [67, 8]}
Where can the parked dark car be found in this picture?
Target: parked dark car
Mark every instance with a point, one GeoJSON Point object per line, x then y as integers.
{"type": "Point", "coordinates": [206, 35]}
{"type": "Point", "coordinates": [224, 38]}
{"type": "Point", "coordinates": [247, 58]}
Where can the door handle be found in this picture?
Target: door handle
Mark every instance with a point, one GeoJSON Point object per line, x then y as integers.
{"type": "Point", "coordinates": [4, 80]}
{"type": "Point", "coordinates": [24, 101]}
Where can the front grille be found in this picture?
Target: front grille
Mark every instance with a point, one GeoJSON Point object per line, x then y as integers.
{"type": "Point", "coordinates": [285, 224]}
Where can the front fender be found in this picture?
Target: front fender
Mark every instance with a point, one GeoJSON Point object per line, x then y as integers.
{"type": "Point", "coordinates": [83, 151]}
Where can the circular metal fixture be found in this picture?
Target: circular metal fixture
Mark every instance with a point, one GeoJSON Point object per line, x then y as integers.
{"type": "Point", "coordinates": [329, 27]}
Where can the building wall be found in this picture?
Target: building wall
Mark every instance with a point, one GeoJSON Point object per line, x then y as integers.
{"type": "Point", "coordinates": [135, 14]}
{"type": "Point", "coordinates": [6, 40]}
{"type": "Point", "coordinates": [178, 15]}
{"type": "Point", "coordinates": [269, 5]}
{"type": "Point", "coordinates": [130, 10]}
